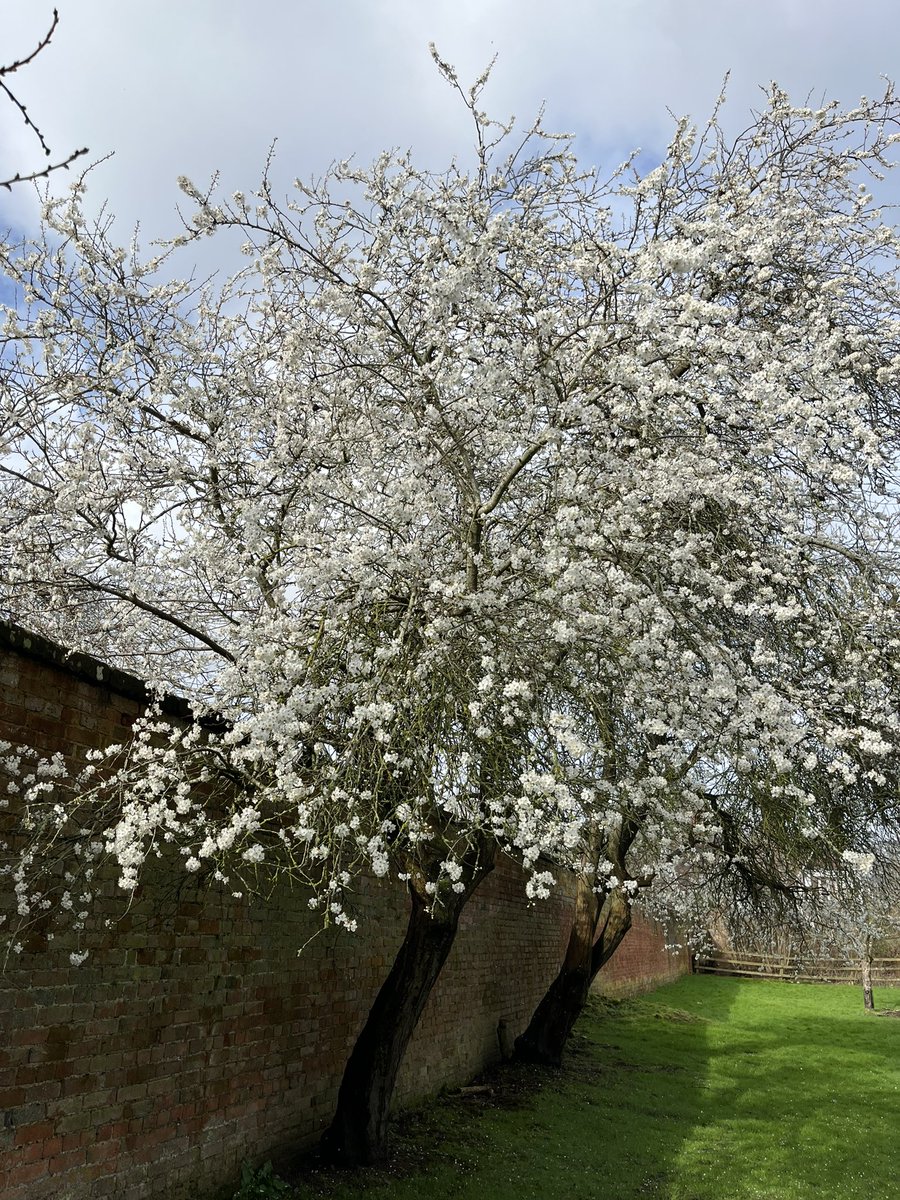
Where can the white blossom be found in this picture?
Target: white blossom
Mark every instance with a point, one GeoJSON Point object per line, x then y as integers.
{"type": "Point", "coordinates": [518, 509]}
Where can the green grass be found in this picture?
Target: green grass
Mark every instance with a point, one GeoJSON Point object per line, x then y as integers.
{"type": "Point", "coordinates": [708, 1088]}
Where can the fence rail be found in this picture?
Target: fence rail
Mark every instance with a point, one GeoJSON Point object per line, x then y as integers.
{"type": "Point", "coordinates": [885, 971]}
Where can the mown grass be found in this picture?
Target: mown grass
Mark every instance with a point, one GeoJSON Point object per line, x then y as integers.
{"type": "Point", "coordinates": [708, 1088]}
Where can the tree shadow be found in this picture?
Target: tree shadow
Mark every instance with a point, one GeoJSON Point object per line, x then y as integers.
{"type": "Point", "coordinates": [600, 1126]}
{"type": "Point", "coordinates": [707, 1088]}
{"type": "Point", "coordinates": [789, 1091]}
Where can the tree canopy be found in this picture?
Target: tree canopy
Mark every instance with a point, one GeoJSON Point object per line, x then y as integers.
{"type": "Point", "coordinates": [491, 507]}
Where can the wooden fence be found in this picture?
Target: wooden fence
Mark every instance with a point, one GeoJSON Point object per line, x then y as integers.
{"type": "Point", "coordinates": [885, 971]}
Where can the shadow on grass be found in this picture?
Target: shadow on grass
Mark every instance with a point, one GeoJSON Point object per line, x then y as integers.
{"type": "Point", "coordinates": [611, 1123]}
{"type": "Point", "coordinates": [804, 1090]}
{"type": "Point", "coordinates": [709, 1089]}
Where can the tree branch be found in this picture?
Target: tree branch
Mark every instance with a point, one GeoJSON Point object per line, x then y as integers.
{"type": "Point", "coordinates": [10, 69]}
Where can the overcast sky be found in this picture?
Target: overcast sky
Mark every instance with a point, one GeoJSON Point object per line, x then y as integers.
{"type": "Point", "coordinates": [191, 86]}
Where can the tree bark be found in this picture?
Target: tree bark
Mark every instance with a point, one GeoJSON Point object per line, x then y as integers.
{"type": "Point", "coordinates": [357, 1135]}
{"type": "Point", "coordinates": [548, 1031]}
{"type": "Point", "coordinates": [868, 998]}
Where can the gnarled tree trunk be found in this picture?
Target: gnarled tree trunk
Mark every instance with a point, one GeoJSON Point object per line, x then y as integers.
{"type": "Point", "coordinates": [597, 929]}
{"type": "Point", "coordinates": [357, 1135]}
{"type": "Point", "coordinates": [600, 922]}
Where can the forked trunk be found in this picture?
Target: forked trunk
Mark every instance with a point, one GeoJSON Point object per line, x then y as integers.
{"type": "Point", "coordinates": [357, 1135]}
{"type": "Point", "coordinates": [548, 1031]}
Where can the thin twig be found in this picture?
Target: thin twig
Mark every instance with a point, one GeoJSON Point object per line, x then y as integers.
{"type": "Point", "coordinates": [10, 69]}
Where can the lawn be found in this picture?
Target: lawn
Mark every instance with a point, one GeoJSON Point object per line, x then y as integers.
{"type": "Point", "coordinates": [707, 1088]}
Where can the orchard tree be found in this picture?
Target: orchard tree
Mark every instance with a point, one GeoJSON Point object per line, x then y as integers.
{"type": "Point", "coordinates": [800, 590]}
{"type": "Point", "coordinates": [507, 508]}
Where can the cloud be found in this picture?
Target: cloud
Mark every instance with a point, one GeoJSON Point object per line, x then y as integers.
{"type": "Point", "coordinates": [177, 88]}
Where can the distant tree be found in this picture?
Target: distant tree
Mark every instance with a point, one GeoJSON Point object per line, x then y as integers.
{"type": "Point", "coordinates": [5, 73]}
{"type": "Point", "coordinates": [502, 508]}
{"type": "Point", "coordinates": [845, 913]}
{"type": "Point", "coordinates": [853, 916]}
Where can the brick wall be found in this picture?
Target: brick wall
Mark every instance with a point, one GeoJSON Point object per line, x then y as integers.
{"type": "Point", "coordinates": [642, 961]}
{"type": "Point", "coordinates": [194, 1036]}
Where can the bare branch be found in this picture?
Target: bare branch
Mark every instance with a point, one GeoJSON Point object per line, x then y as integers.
{"type": "Point", "coordinates": [10, 69]}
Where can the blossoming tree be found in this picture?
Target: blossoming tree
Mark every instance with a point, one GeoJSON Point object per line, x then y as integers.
{"type": "Point", "coordinates": [503, 508]}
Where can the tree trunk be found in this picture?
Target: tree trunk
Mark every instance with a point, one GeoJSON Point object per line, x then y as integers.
{"type": "Point", "coordinates": [868, 998]}
{"type": "Point", "coordinates": [357, 1135]}
{"type": "Point", "coordinates": [548, 1031]}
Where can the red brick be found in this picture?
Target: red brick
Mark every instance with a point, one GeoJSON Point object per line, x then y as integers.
{"type": "Point", "coordinates": [26, 1173]}
{"type": "Point", "coordinates": [34, 1133]}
